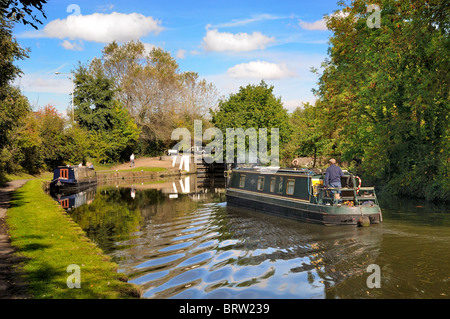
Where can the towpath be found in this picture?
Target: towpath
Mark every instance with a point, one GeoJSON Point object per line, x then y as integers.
{"type": "Point", "coordinates": [145, 162]}
{"type": "Point", "coordinates": [10, 285]}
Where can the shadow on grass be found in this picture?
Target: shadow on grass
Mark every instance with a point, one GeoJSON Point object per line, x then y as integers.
{"type": "Point", "coordinates": [32, 247]}
{"type": "Point", "coordinates": [18, 199]}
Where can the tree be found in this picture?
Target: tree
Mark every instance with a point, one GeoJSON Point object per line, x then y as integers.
{"type": "Point", "coordinates": [18, 130]}
{"type": "Point", "coordinates": [112, 132]}
{"type": "Point", "coordinates": [94, 100]}
{"type": "Point", "coordinates": [10, 51]}
{"type": "Point", "coordinates": [158, 96]}
{"type": "Point", "coordinates": [385, 92]}
{"type": "Point", "coordinates": [311, 135]}
{"type": "Point", "coordinates": [254, 106]}
{"type": "Point", "coordinates": [52, 135]}
{"type": "Point", "coordinates": [27, 146]}
{"type": "Point", "coordinates": [13, 105]}
{"type": "Point", "coordinates": [11, 10]}
{"type": "Point", "coordinates": [41, 142]}
{"type": "Point", "coordinates": [14, 108]}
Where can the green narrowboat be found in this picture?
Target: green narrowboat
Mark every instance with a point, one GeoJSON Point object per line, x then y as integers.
{"type": "Point", "coordinates": [300, 195]}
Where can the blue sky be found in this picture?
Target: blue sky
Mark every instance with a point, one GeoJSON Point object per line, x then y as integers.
{"type": "Point", "coordinates": [229, 43]}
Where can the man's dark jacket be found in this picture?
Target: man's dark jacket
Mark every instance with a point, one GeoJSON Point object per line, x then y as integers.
{"type": "Point", "coordinates": [333, 175]}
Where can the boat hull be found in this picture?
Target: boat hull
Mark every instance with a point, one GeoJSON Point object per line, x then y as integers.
{"type": "Point", "coordinates": [302, 210]}
{"type": "Point", "coordinates": [70, 187]}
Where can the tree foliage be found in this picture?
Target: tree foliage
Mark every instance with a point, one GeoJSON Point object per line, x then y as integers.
{"type": "Point", "coordinates": [14, 107]}
{"type": "Point", "coordinates": [157, 94]}
{"type": "Point", "coordinates": [311, 136]}
{"type": "Point", "coordinates": [22, 11]}
{"type": "Point", "coordinates": [254, 106]}
{"type": "Point", "coordinates": [10, 51]}
{"type": "Point", "coordinates": [112, 132]}
{"type": "Point", "coordinates": [385, 93]}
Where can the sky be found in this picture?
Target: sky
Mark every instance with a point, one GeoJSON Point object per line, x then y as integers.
{"type": "Point", "coordinates": [228, 43]}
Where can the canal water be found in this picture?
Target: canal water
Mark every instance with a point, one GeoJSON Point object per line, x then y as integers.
{"type": "Point", "coordinates": [178, 239]}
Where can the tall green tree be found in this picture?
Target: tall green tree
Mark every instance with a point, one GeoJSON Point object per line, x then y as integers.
{"type": "Point", "coordinates": [53, 136]}
{"type": "Point", "coordinates": [112, 132]}
{"type": "Point", "coordinates": [94, 100]}
{"type": "Point", "coordinates": [14, 107]}
{"type": "Point", "coordinates": [10, 51]}
{"type": "Point", "coordinates": [385, 91]}
{"type": "Point", "coordinates": [254, 106]}
{"type": "Point", "coordinates": [15, 110]}
{"type": "Point", "coordinates": [311, 136]}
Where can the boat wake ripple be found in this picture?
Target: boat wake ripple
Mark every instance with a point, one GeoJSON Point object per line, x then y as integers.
{"type": "Point", "coordinates": [216, 252]}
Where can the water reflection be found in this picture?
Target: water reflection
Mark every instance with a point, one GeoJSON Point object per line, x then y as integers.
{"type": "Point", "coordinates": [71, 201]}
{"type": "Point", "coordinates": [178, 239]}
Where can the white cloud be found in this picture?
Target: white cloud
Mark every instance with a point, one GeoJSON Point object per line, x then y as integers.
{"type": "Point", "coordinates": [148, 48]}
{"type": "Point", "coordinates": [106, 7]}
{"type": "Point", "coordinates": [260, 70]}
{"type": "Point", "coordinates": [321, 24]}
{"type": "Point", "coordinates": [181, 54]}
{"type": "Point", "coordinates": [317, 25]}
{"type": "Point", "coordinates": [195, 52]}
{"type": "Point", "coordinates": [225, 41]}
{"type": "Point", "coordinates": [99, 27]}
{"type": "Point", "coordinates": [292, 105]}
{"type": "Point", "coordinates": [72, 46]}
{"type": "Point", "coordinates": [44, 83]}
{"type": "Point", "coordinates": [256, 18]}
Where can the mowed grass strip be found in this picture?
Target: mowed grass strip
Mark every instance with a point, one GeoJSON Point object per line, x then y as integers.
{"type": "Point", "coordinates": [135, 169]}
{"type": "Point", "coordinates": [49, 241]}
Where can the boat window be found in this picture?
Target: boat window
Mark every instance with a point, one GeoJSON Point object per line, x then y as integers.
{"type": "Point", "coordinates": [280, 185]}
{"type": "Point", "coordinates": [260, 183]}
{"type": "Point", "coordinates": [272, 184]}
{"type": "Point", "coordinates": [242, 181]}
{"type": "Point", "coordinates": [64, 173]}
{"type": "Point", "coordinates": [290, 187]}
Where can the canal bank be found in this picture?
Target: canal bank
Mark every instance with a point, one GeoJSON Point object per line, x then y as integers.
{"type": "Point", "coordinates": [136, 175]}
{"type": "Point", "coordinates": [52, 248]}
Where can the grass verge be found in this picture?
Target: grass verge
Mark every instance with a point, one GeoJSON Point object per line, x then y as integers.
{"type": "Point", "coordinates": [48, 241]}
{"type": "Point", "coordinates": [136, 169]}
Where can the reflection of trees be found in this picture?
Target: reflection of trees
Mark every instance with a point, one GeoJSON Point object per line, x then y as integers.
{"type": "Point", "coordinates": [107, 218]}
{"type": "Point", "coordinates": [114, 216]}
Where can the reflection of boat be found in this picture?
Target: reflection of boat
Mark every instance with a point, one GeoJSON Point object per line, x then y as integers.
{"type": "Point", "coordinates": [328, 256]}
{"type": "Point", "coordinates": [71, 201]}
{"type": "Point", "coordinates": [299, 194]}
{"type": "Point", "coordinates": [73, 178]}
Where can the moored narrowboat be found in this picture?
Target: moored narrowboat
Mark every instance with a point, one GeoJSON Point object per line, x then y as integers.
{"type": "Point", "coordinates": [300, 195]}
{"type": "Point", "coordinates": [73, 178]}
